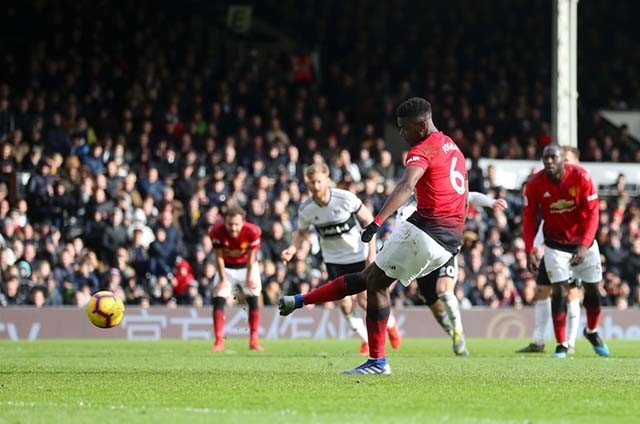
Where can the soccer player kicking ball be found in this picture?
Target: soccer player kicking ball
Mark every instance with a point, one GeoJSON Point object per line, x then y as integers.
{"type": "Point", "coordinates": [435, 170]}
{"type": "Point", "coordinates": [336, 215]}
{"type": "Point", "coordinates": [236, 243]}
{"type": "Point", "coordinates": [567, 199]}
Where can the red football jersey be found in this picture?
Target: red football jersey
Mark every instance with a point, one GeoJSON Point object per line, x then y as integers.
{"type": "Point", "coordinates": [236, 250]}
{"type": "Point", "coordinates": [569, 208]}
{"type": "Point", "coordinates": [441, 193]}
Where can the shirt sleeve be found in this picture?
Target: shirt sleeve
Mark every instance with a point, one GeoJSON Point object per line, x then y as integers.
{"type": "Point", "coordinates": [256, 237]}
{"type": "Point", "coordinates": [354, 203]}
{"type": "Point", "coordinates": [589, 205]}
{"type": "Point", "coordinates": [480, 199]}
{"type": "Point", "coordinates": [416, 157]}
{"type": "Point", "coordinates": [216, 240]}
{"type": "Point", "coordinates": [303, 223]}
{"type": "Point", "coordinates": [529, 215]}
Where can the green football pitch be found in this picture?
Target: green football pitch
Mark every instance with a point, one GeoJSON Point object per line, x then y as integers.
{"type": "Point", "coordinates": [300, 381]}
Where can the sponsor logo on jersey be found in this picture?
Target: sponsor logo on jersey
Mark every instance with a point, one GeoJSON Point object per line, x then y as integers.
{"type": "Point", "coordinates": [562, 206]}
{"type": "Point", "coordinates": [337, 229]}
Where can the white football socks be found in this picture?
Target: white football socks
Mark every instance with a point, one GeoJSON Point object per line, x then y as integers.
{"type": "Point", "coordinates": [573, 321]}
{"type": "Point", "coordinates": [452, 306]}
{"type": "Point", "coordinates": [542, 317]}
{"type": "Point", "coordinates": [357, 325]}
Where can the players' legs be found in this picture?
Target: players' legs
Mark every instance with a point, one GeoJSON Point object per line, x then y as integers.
{"type": "Point", "coordinates": [218, 322]}
{"type": "Point", "coordinates": [542, 311]}
{"type": "Point", "coordinates": [221, 292]}
{"type": "Point", "coordinates": [355, 322]}
{"type": "Point", "coordinates": [254, 322]}
{"type": "Point", "coordinates": [542, 315]}
{"type": "Point", "coordinates": [573, 315]}
{"type": "Point", "coordinates": [409, 253]}
{"type": "Point", "coordinates": [378, 309]}
{"type": "Point", "coordinates": [393, 330]}
{"type": "Point", "coordinates": [427, 288]}
{"type": "Point", "coordinates": [592, 306]}
{"type": "Point", "coordinates": [252, 296]}
{"type": "Point", "coordinates": [347, 304]}
{"type": "Point", "coordinates": [559, 313]}
{"type": "Point", "coordinates": [590, 272]}
{"type": "Point", "coordinates": [444, 287]}
{"type": "Point", "coordinates": [558, 267]}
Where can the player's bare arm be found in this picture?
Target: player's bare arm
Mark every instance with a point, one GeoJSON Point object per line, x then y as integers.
{"type": "Point", "coordinates": [288, 253]}
{"type": "Point", "coordinates": [365, 216]}
{"type": "Point", "coordinates": [398, 197]}
{"type": "Point", "coordinates": [402, 191]}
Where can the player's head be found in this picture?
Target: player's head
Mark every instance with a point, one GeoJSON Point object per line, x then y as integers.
{"type": "Point", "coordinates": [317, 178]}
{"type": "Point", "coordinates": [413, 117]}
{"type": "Point", "coordinates": [571, 154]}
{"type": "Point", "coordinates": [234, 219]}
{"type": "Point", "coordinates": [553, 161]}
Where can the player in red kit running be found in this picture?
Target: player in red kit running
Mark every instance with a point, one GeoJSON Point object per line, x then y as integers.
{"type": "Point", "coordinates": [236, 243]}
{"type": "Point", "coordinates": [436, 172]}
{"type": "Point", "coordinates": [568, 202]}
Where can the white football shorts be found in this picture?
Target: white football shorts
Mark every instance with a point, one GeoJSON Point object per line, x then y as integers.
{"type": "Point", "coordinates": [237, 277]}
{"type": "Point", "coordinates": [559, 269]}
{"type": "Point", "coordinates": [410, 253]}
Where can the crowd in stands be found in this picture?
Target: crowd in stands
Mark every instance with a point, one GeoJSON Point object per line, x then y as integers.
{"type": "Point", "coordinates": [124, 132]}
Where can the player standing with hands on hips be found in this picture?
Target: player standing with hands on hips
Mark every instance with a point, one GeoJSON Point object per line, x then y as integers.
{"type": "Point", "coordinates": [568, 201]}
{"type": "Point", "coordinates": [435, 170]}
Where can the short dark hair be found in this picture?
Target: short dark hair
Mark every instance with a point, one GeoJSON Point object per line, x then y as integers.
{"type": "Point", "coordinates": [413, 107]}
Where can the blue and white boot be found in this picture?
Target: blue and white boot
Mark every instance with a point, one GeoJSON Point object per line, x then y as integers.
{"type": "Point", "coordinates": [371, 367]}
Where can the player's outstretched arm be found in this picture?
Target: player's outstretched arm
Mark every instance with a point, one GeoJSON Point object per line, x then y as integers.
{"type": "Point", "coordinates": [482, 200]}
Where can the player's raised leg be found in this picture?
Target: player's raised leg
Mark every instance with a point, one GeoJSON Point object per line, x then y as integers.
{"type": "Point", "coordinates": [334, 290]}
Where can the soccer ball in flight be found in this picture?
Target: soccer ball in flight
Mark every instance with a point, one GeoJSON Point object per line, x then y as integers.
{"type": "Point", "coordinates": [105, 309]}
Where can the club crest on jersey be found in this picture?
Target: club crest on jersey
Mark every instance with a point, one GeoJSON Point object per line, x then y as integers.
{"type": "Point", "coordinates": [573, 191]}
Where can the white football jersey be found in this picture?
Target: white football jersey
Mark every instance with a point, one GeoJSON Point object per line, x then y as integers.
{"type": "Point", "coordinates": [337, 226]}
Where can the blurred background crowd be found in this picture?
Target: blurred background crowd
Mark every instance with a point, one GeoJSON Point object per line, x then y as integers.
{"type": "Point", "coordinates": [125, 131]}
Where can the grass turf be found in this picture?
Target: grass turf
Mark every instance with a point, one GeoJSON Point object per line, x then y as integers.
{"type": "Point", "coordinates": [299, 381]}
